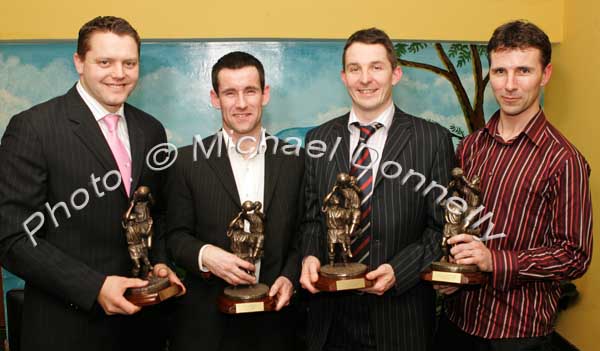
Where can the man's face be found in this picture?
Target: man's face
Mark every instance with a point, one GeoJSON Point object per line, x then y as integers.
{"type": "Point", "coordinates": [517, 77]}
{"type": "Point", "coordinates": [240, 99]}
{"type": "Point", "coordinates": [369, 78]}
{"type": "Point", "coordinates": [110, 69]}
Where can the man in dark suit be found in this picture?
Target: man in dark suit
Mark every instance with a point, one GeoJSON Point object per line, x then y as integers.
{"type": "Point", "coordinates": [206, 191]}
{"type": "Point", "coordinates": [400, 227]}
{"type": "Point", "coordinates": [69, 167]}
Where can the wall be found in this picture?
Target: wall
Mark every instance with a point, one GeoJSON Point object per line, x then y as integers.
{"type": "Point", "coordinates": [570, 98]}
{"type": "Point", "coordinates": [469, 20]}
{"type": "Point", "coordinates": [571, 104]}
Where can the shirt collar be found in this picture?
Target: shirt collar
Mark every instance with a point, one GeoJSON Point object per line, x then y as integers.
{"type": "Point", "coordinates": [385, 118]}
{"type": "Point", "coordinates": [97, 109]}
{"type": "Point", "coordinates": [534, 130]}
{"type": "Point", "coordinates": [262, 145]}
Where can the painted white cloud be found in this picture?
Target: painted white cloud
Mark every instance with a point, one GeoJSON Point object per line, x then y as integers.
{"type": "Point", "coordinates": [446, 121]}
{"type": "Point", "coordinates": [9, 106]}
{"type": "Point", "coordinates": [36, 84]}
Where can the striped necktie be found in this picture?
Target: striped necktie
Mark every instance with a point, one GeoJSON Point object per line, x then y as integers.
{"type": "Point", "coordinates": [364, 178]}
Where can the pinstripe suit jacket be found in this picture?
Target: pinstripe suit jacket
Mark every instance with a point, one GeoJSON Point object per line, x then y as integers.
{"type": "Point", "coordinates": [203, 199]}
{"type": "Point", "coordinates": [406, 228]}
{"type": "Point", "coordinates": [47, 153]}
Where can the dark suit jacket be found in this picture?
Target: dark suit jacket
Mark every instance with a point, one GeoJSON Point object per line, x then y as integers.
{"type": "Point", "coordinates": [406, 228]}
{"type": "Point", "coordinates": [47, 153]}
{"type": "Point", "coordinates": [203, 199]}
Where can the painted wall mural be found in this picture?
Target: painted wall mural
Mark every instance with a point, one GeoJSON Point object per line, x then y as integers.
{"type": "Point", "coordinates": [443, 82]}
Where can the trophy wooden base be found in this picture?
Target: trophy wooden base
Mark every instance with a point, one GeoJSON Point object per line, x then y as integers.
{"type": "Point", "coordinates": [157, 290]}
{"type": "Point", "coordinates": [343, 276]}
{"type": "Point", "coordinates": [454, 274]}
{"type": "Point", "coordinates": [246, 299]}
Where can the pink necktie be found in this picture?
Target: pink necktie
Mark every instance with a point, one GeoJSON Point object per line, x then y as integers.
{"type": "Point", "coordinates": [118, 150]}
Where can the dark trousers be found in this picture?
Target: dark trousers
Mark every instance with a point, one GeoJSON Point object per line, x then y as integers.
{"type": "Point", "coordinates": [260, 331]}
{"type": "Point", "coordinates": [351, 328]}
{"type": "Point", "coordinates": [449, 337]}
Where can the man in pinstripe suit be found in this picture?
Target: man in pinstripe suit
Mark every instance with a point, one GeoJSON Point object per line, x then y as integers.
{"type": "Point", "coordinates": [53, 157]}
{"type": "Point", "coordinates": [400, 228]}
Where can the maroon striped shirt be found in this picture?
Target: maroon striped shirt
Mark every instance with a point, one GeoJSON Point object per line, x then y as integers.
{"type": "Point", "coordinates": [537, 187]}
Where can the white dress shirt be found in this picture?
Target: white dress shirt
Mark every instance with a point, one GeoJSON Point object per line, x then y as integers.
{"type": "Point", "coordinates": [249, 174]}
{"type": "Point", "coordinates": [99, 112]}
{"type": "Point", "coordinates": [377, 140]}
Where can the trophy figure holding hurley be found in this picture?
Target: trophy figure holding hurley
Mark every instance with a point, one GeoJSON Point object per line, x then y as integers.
{"type": "Point", "coordinates": [341, 208]}
{"type": "Point", "coordinates": [137, 224]}
{"type": "Point", "coordinates": [458, 221]}
{"type": "Point", "coordinates": [247, 245]}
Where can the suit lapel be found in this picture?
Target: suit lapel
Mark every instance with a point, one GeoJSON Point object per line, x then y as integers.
{"type": "Point", "coordinates": [87, 130]}
{"type": "Point", "coordinates": [137, 144]}
{"type": "Point", "coordinates": [273, 163]}
{"type": "Point", "coordinates": [342, 154]}
{"type": "Point", "coordinates": [398, 136]}
{"type": "Point", "coordinates": [222, 168]}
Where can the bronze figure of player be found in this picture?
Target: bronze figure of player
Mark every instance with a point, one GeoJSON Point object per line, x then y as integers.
{"type": "Point", "coordinates": [137, 223]}
{"type": "Point", "coordinates": [248, 245]}
{"type": "Point", "coordinates": [457, 220]}
{"type": "Point", "coordinates": [342, 219]}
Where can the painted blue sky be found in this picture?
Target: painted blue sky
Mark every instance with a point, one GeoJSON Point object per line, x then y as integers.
{"type": "Point", "coordinates": [306, 89]}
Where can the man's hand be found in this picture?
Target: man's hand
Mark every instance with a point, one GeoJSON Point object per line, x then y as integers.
{"type": "Point", "coordinates": [446, 289]}
{"type": "Point", "coordinates": [227, 266]}
{"type": "Point", "coordinates": [111, 295]}
{"type": "Point", "coordinates": [469, 250]}
{"type": "Point", "coordinates": [310, 273]}
{"type": "Point", "coordinates": [161, 270]}
{"type": "Point", "coordinates": [283, 289]}
{"type": "Point", "coordinates": [384, 279]}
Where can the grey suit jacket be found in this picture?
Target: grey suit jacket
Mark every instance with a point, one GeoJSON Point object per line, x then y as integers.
{"type": "Point", "coordinates": [406, 227]}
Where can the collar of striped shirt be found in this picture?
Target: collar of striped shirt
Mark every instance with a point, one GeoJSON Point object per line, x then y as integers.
{"type": "Point", "coordinates": [534, 129]}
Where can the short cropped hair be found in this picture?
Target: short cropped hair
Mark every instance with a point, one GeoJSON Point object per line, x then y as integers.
{"type": "Point", "coordinates": [237, 60]}
{"type": "Point", "coordinates": [521, 35]}
{"type": "Point", "coordinates": [116, 25]}
{"type": "Point", "coordinates": [372, 36]}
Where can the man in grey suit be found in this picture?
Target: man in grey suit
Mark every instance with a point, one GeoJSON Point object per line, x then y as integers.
{"type": "Point", "coordinates": [69, 168]}
{"type": "Point", "coordinates": [400, 227]}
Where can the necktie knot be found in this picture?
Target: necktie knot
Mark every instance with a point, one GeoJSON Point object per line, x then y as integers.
{"type": "Point", "coordinates": [111, 121]}
{"type": "Point", "coordinates": [366, 131]}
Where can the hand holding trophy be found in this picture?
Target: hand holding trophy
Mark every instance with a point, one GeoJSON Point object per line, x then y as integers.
{"type": "Point", "coordinates": [342, 215]}
{"type": "Point", "coordinates": [137, 224]}
{"type": "Point", "coordinates": [247, 245]}
{"type": "Point", "coordinates": [458, 221]}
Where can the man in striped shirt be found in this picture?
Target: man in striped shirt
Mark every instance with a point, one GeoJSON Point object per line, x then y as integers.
{"type": "Point", "coordinates": [536, 185]}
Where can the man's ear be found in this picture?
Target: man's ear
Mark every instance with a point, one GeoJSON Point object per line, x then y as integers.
{"type": "Point", "coordinates": [79, 62]}
{"type": "Point", "coordinates": [546, 75]}
{"type": "Point", "coordinates": [214, 100]}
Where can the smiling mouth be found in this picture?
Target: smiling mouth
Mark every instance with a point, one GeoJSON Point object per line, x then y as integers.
{"type": "Point", "coordinates": [367, 91]}
{"type": "Point", "coordinates": [122, 85]}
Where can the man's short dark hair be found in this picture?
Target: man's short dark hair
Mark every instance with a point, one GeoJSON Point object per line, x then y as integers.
{"type": "Point", "coordinates": [116, 25]}
{"type": "Point", "coordinates": [237, 60]}
{"type": "Point", "coordinates": [520, 35]}
{"type": "Point", "coordinates": [372, 36]}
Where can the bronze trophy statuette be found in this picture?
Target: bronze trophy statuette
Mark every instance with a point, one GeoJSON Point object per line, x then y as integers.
{"type": "Point", "coordinates": [342, 215]}
{"type": "Point", "coordinates": [137, 224]}
{"type": "Point", "coordinates": [247, 246]}
{"type": "Point", "coordinates": [458, 221]}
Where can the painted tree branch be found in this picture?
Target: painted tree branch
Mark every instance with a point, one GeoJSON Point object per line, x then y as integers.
{"type": "Point", "coordinates": [477, 120]}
